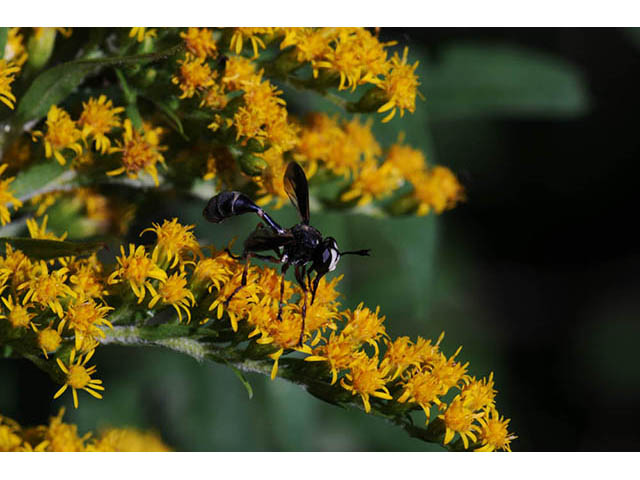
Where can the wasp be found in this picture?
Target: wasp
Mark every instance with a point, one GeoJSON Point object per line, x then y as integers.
{"type": "Point", "coordinates": [302, 245]}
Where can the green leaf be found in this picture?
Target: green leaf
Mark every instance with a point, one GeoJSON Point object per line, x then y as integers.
{"type": "Point", "coordinates": [48, 249]}
{"type": "Point", "coordinates": [242, 378]}
{"type": "Point", "coordinates": [55, 84]}
{"type": "Point", "coordinates": [171, 115]}
{"type": "Point", "coordinates": [4, 33]}
{"type": "Point", "coordinates": [36, 178]}
{"type": "Point", "coordinates": [483, 80]}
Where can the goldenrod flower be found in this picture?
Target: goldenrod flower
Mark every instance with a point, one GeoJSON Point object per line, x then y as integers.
{"type": "Point", "coordinates": [142, 33]}
{"type": "Point", "coordinates": [137, 269]}
{"type": "Point", "coordinates": [212, 271]}
{"type": "Point", "coordinates": [19, 315]}
{"type": "Point", "coordinates": [173, 291]}
{"type": "Point", "coordinates": [239, 306]}
{"type": "Point", "coordinates": [86, 277]}
{"type": "Point", "coordinates": [364, 326]}
{"type": "Point", "coordinates": [271, 180]}
{"type": "Point", "coordinates": [6, 197]}
{"type": "Point", "coordinates": [365, 378]}
{"type": "Point", "coordinates": [14, 50]}
{"type": "Point", "coordinates": [195, 75]}
{"type": "Point", "coordinates": [373, 182]}
{"type": "Point", "coordinates": [358, 57]}
{"type": "Point", "coordinates": [17, 264]}
{"type": "Point", "coordinates": [10, 439]}
{"type": "Point", "coordinates": [7, 72]}
{"type": "Point", "coordinates": [411, 163]}
{"type": "Point", "coordinates": [79, 377]}
{"type": "Point", "coordinates": [493, 433]}
{"type": "Point", "coordinates": [400, 355]}
{"type": "Point", "coordinates": [400, 86]}
{"type": "Point", "coordinates": [85, 319]}
{"type": "Point", "coordinates": [127, 440]}
{"type": "Point", "coordinates": [47, 289]}
{"type": "Point", "coordinates": [200, 42]}
{"type": "Point", "coordinates": [138, 153]}
{"type": "Point", "coordinates": [438, 189]}
{"type": "Point", "coordinates": [98, 118]}
{"type": "Point", "coordinates": [478, 394]}
{"type": "Point", "coordinates": [62, 437]}
{"type": "Point", "coordinates": [459, 419]}
{"type": "Point", "coordinates": [173, 242]}
{"type": "Point", "coordinates": [48, 339]}
{"type": "Point", "coordinates": [252, 34]}
{"type": "Point", "coordinates": [423, 389]}
{"type": "Point", "coordinates": [449, 372]}
{"type": "Point", "coordinates": [311, 44]}
{"type": "Point", "coordinates": [237, 72]}
{"type": "Point", "coordinates": [62, 133]}
{"type": "Point", "coordinates": [40, 231]}
{"type": "Point", "coordinates": [337, 351]}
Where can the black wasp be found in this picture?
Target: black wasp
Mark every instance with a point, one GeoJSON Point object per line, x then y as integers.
{"type": "Point", "coordinates": [299, 245]}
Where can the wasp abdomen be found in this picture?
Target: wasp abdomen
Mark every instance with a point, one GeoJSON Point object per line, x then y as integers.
{"type": "Point", "coordinates": [228, 204]}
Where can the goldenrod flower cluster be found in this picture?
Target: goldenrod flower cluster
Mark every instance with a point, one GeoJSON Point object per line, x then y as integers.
{"type": "Point", "coordinates": [196, 111]}
{"type": "Point", "coordinates": [58, 436]}
{"type": "Point", "coordinates": [65, 312]}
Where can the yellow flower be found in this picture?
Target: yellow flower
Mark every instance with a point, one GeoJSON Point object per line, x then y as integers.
{"type": "Point", "coordinates": [138, 153]}
{"type": "Point", "coordinates": [423, 389]}
{"type": "Point", "coordinates": [86, 277]}
{"type": "Point", "coordinates": [400, 86]}
{"type": "Point", "coordinates": [62, 437]}
{"type": "Point", "coordinates": [311, 44]}
{"type": "Point", "coordinates": [459, 419]}
{"type": "Point", "coordinates": [62, 133]}
{"type": "Point", "coordinates": [449, 372]}
{"type": "Point", "coordinates": [373, 182]}
{"type": "Point", "coordinates": [19, 315]}
{"type": "Point", "coordinates": [240, 304]}
{"type": "Point", "coordinates": [358, 57]}
{"type": "Point", "coordinates": [200, 42]}
{"type": "Point", "coordinates": [40, 232]}
{"type": "Point", "coordinates": [15, 51]}
{"type": "Point", "coordinates": [78, 377]}
{"type": "Point", "coordinates": [173, 242]}
{"type": "Point", "coordinates": [195, 75]}
{"type": "Point", "coordinates": [400, 355]}
{"type": "Point", "coordinates": [85, 319]}
{"type": "Point", "coordinates": [493, 433]}
{"type": "Point", "coordinates": [6, 197]}
{"type": "Point", "coordinates": [48, 340]}
{"type": "Point", "coordinates": [173, 292]}
{"type": "Point", "coordinates": [366, 378]}
{"type": "Point", "coordinates": [46, 288]}
{"type": "Point", "coordinates": [237, 72]}
{"type": "Point", "coordinates": [142, 33]}
{"type": "Point", "coordinates": [10, 439]}
{"type": "Point", "coordinates": [438, 189]}
{"type": "Point", "coordinates": [337, 351]}
{"type": "Point", "coordinates": [478, 394]}
{"type": "Point", "coordinates": [98, 118]}
{"type": "Point", "coordinates": [411, 163]}
{"type": "Point", "coordinates": [364, 326]}
{"type": "Point", "coordinates": [44, 201]}
{"type": "Point", "coordinates": [127, 440]}
{"type": "Point", "coordinates": [213, 271]}
{"type": "Point", "coordinates": [271, 180]}
{"type": "Point", "coordinates": [137, 268]}
{"type": "Point", "coordinates": [252, 34]}
{"type": "Point", "coordinates": [16, 264]}
{"type": "Point", "coordinates": [7, 71]}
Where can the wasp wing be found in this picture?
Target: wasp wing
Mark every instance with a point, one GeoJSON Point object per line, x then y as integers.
{"type": "Point", "coordinates": [297, 188]}
{"type": "Point", "coordinates": [263, 239]}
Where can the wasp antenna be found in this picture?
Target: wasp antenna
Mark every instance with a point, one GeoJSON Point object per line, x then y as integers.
{"type": "Point", "coordinates": [365, 253]}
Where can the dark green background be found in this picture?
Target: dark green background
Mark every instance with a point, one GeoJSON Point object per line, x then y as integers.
{"type": "Point", "coordinates": [535, 274]}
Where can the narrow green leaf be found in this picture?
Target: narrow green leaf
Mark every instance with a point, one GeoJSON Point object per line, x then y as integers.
{"type": "Point", "coordinates": [48, 249]}
{"type": "Point", "coordinates": [4, 32]}
{"type": "Point", "coordinates": [55, 84]}
{"type": "Point", "coordinates": [36, 178]}
{"type": "Point", "coordinates": [171, 115]}
{"type": "Point", "coordinates": [242, 378]}
{"type": "Point", "coordinates": [483, 80]}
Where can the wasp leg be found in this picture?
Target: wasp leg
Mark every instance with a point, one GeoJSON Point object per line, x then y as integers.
{"type": "Point", "coordinates": [283, 271]}
{"type": "Point", "coordinates": [247, 258]}
{"type": "Point", "coordinates": [300, 273]}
